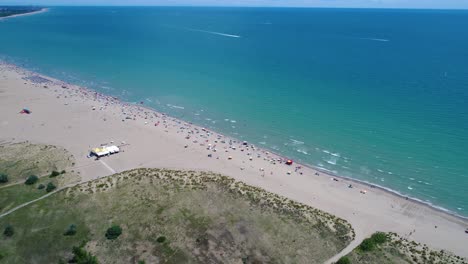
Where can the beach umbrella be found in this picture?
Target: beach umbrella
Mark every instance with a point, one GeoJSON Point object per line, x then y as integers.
{"type": "Point", "coordinates": [289, 162]}
{"type": "Point", "coordinates": [25, 111]}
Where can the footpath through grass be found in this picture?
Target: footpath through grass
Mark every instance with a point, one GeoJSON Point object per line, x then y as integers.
{"type": "Point", "coordinates": [172, 217]}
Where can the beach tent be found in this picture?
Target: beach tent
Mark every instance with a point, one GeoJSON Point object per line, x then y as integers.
{"type": "Point", "coordinates": [100, 151]}
{"type": "Point", "coordinates": [105, 150]}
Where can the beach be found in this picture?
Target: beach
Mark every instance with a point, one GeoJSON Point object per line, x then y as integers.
{"type": "Point", "coordinates": [79, 119]}
{"type": "Point", "coordinates": [42, 10]}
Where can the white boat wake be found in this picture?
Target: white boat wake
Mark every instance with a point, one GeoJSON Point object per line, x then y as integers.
{"type": "Point", "coordinates": [214, 33]}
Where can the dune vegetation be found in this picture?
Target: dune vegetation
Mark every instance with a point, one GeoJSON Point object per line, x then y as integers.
{"type": "Point", "coordinates": [391, 248]}
{"type": "Point", "coordinates": [158, 216]}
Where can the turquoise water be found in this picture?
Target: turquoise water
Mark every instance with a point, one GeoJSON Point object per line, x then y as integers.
{"type": "Point", "coordinates": [377, 95]}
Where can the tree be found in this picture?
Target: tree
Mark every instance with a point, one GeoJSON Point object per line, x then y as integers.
{"type": "Point", "coordinates": [54, 174]}
{"type": "Point", "coordinates": [113, 232]}
{"type": "Point", "coordinates": [343, 260]}
{"type": "Point", "coordinates": [379, 238]}
{"type": "Point", "coordinates": [50, 187]}
{"type": "Point", "coordinates": [3, 178]}
{"type": "Point", "coordinates": [71, 231]}
{"type": "Point", "coordinates": [9, 231]}
{"type": "Point", "coordinates": [367, 244]}
{"type": "Point", "coordinates": [81, 256]}
{"type": "Point", "coordinates": [41, 186]}
{"type": "Point", "coordinates": [31, 180]}
{"type": "Point", "coordinates": [161, 239]}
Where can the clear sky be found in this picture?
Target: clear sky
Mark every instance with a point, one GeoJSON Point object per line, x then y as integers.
{"type": "Point", "coordinates": [452, 4]}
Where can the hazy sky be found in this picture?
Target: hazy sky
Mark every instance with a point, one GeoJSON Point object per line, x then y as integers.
{"type": "Point", "coordinates": [455, 4]}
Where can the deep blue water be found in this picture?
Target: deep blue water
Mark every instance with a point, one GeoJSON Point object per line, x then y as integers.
{"type": "Point", "coordinates": [377, 95]}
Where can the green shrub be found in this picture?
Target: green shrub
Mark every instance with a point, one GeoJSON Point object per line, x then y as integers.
{"type": "Point", "coordinates": [81, 256]}
{"type": "Point", "coordinates": [113, 232]}
{"type": "Point", "coordinates": [63, 172]}
{"type": "Point", "coordinates": [31, 180]}
{"type": "Point", "coordinates": [50, 187]}
{"type": "Point", "coordinates": [161, 239]}
{"type": "Point", "coordinates": [367, 245]}
{"type": "Point", "coordinates": [9, 231]}
{"type": "Point", "coordinates": [379, 238]}
{"type": "Point", "coordinates": [343, 260]}
{"type": "Point", "coordinates": [41, 186]}
{"type": "Point", "coordinates": [3, 178]}
{"type": "Point", "coordinates": [54, 174]}
{"type": "Point", "coordinates": [71, 231]}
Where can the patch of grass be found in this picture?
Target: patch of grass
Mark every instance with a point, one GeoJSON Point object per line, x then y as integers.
{"type": "Point", "coordinates": [20, 160]}
{"type": "Point", "coordinates": [15, 195]}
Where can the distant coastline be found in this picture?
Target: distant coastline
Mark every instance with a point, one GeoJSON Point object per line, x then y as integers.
{"type": "Point", "coordinates": [33, 12]}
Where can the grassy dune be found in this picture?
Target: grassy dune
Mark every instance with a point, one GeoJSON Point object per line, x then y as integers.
{"type": "Point", "coordinates": [396, 249]}
{"type": "Point", "coordinates": [20, 160]}
{"type": "Point", "coordinates": [173, 217]}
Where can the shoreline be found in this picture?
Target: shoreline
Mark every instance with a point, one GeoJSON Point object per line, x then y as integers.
{"type": "Point", "coordinates": [312, 167]}
{"type": "Point", "coordinates": [379, 209]}
{"type": "Point", "coordinates": [42, 10]}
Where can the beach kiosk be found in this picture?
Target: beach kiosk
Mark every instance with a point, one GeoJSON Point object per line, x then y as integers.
{"type": "Point", "coordinates": [105, 151]}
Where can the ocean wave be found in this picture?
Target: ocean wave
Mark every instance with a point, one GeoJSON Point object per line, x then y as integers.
{"type": "Point", "coordinates": [175, 106]}
{"type": "Point", "coordinates": [376, 39]}
{"type": "Point", "coordinates": [302, 151]}
{"type": "Point", "coordinates": [296, 142]}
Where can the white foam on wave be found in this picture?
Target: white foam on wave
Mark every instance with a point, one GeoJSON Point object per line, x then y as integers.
{"type": "Point", "coordinates": [332, 161]}
{"type": "Point", "coordinates": [175, 106]}
{"type": "Point", "coordinates": [376, 39]}
{"type": "Point", "coordinates": [296, 142]}
{"type": "Point", "coordinates": [302, 151]}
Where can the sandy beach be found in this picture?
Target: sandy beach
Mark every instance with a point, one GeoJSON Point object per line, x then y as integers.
{"type": "Point", "coordinates": [79, 119]}
{"type": "Point", "coordinates": [42, 10]}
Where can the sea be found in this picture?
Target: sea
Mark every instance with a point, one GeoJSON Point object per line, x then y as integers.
{"type": "Point", "coordinates": [380, 96]}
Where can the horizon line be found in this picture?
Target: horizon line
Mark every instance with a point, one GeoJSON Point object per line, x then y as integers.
{"type": "Point", "coordinates": [244, 6]}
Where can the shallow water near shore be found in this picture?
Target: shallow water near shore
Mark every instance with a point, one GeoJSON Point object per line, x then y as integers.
{"type": "Point", "coordinates": [376, 95]}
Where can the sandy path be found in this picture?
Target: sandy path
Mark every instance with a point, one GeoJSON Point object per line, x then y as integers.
{"type": "Point", "coordinates": [65, 117]}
